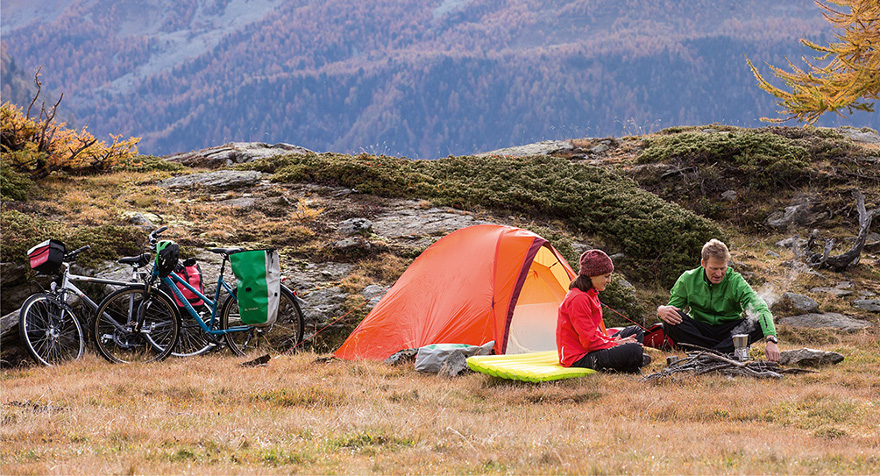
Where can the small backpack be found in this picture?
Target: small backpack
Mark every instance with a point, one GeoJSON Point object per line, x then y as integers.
{"type": "Point", "coordinates": [655, 337]}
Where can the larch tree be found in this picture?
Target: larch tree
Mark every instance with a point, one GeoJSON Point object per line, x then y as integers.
{"type": "Point", "coordinates": [845, 74]}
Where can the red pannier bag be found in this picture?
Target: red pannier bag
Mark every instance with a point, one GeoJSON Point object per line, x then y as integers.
{"type": "Point", "coordinates": [190, 272]}
{"type": "Point", "coordinates": [47, 256]}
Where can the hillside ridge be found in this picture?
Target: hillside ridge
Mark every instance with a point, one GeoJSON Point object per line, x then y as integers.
{"type": "Point", "coordinates": [344, 241]}
{"type": "Point", "coordinates": [388, 78]}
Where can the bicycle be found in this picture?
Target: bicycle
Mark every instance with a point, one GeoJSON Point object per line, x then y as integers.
{"type": "Point", "coordinates": [224, 320]}
{"type": "Point", "coordinates": [47, 323]}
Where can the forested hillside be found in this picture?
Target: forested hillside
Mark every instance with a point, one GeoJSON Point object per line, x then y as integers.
{"type": "Point", "coordinates": [412, 78]}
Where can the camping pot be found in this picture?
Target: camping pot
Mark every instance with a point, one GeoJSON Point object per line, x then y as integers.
{"type": "Point", "coordinates": [741, 347]}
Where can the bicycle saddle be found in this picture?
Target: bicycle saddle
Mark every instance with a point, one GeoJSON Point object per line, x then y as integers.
{"type": "Point", "coordinates": [225, 251]}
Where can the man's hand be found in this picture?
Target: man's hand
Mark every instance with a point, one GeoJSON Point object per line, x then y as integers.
{"type": "Point", "coordinates": [771, 352]}
{"type": "Point", "coordinates": [669, 315]}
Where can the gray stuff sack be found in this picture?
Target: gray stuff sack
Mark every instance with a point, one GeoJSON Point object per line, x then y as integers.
{"type": "Point", "coordinates": [430, 358]}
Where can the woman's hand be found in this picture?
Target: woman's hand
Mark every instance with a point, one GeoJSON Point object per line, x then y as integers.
{"type": "Point", "coordinates": [626, 340]}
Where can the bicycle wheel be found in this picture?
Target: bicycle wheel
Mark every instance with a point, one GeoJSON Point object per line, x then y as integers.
{"type": "Point", "coordinates": [192, 340]}
{"type": "Point", "coordinates": [286, 332]}
{"type": "Point", "coordinates": [118, 336]}
{"type": "Point", "coordinates": [50, 330]}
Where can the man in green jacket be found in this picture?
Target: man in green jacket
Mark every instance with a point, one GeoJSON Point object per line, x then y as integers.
{"type": "Point", "coordinates": [715, 297]}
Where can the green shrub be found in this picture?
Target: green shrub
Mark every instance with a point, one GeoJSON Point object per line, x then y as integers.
{"type": "Point", "coordinates": [13, 185]}
{"type": "Point", "coordinates": [659, 239]}
{"type": "Point", "coordinates": [764, 158]}
{"type": "Point", "coordinates": [108, 242]}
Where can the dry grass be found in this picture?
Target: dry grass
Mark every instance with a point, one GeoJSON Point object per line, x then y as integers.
{"type": "Point", "coordinates": [298, 415]}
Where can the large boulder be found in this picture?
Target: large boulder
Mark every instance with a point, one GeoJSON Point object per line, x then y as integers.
{"type": "Point", "coordinates": [809, 357]}
{"type": "Point", "coordinates": [827, 320]}
{"type": "Point", "coordinates": [234, 153]}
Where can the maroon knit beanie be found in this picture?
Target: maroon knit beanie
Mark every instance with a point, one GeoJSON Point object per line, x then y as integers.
{"type": "Point", "coordinates": [595, 263]}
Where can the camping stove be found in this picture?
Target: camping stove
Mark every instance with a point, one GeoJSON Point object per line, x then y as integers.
{"type": "Point", "coordinates": [741, 347]}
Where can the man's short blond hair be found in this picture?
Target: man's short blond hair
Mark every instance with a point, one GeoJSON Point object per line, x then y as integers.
{"type": "Point", "coordinates": [715, 249]}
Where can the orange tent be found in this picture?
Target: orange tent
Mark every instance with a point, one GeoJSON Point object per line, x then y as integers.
{"type": "Point", "coordinates": [477, 284]}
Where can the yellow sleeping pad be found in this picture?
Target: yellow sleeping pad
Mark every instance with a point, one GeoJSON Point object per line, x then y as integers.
{"type": "Point", "coordinates": [531, 367]}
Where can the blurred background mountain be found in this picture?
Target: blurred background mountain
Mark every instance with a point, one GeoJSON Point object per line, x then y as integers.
{"type": "Point", "coordinates": [421, 79]}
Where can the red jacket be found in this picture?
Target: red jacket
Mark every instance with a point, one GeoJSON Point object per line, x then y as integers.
{"type": "Point", "coordinates": [579, 328]}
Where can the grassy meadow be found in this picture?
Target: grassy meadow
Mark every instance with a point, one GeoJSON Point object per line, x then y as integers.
{"type": "Point", "coordinates": [304, 414]}
{"type": "Point", "coordinates": [654, 199]}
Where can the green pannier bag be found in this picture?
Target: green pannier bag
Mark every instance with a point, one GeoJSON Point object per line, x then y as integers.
{"type": "Point", "coordinates": [258, 277]}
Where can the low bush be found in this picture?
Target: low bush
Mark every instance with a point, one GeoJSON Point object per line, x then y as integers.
{"type": "Point", "coordinates": [14, 185]}
{"type": "Point", "coordinates": [108, 242]}
{"type": "Point", "coordinates": [760, 157]}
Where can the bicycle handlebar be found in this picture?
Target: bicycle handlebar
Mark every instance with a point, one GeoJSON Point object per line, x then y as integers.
{"type": "Point", "coordinates": [72, 255]}
{"type": "Point", "coordinates": [154, 235]}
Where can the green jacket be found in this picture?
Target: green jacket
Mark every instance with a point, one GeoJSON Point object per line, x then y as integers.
{"type": "Point", "coordinates": [719, 303]}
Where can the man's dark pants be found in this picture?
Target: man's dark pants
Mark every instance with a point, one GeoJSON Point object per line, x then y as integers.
{"type": "Point", "coordinates": [716, 337]}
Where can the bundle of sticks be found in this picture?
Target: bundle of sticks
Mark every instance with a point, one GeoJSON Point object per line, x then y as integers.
{"type": "Point", "coordinates": [706, 361]}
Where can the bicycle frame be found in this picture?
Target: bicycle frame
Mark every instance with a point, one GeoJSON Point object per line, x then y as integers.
{"type": "Point", "coordinates": [67, 279]}
{"type": "Point", "coordinates": [172, 279]}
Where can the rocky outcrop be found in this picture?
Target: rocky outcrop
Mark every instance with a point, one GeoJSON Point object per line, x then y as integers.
{"type": "Point", "coordinates": [235, 153]}
{"type": "Point", "coordinates": [547, 147]}
{"type": "Point", "coordinates": [214, 181]}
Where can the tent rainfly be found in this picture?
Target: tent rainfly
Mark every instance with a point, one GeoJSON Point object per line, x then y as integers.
{"type": "Point", "coordinates": [477, 284]}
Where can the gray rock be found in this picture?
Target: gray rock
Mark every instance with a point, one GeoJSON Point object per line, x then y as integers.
{"type": "Point", "coordinates": [546, 147]}
{"type": "Point", "coordinates": [405, 356]}
{"type": "Point", "coordinates": [800, 302]}
{"type": "Point", "coordinates": [143, 219]}
{"type": "Point", "coordinates": [791, 242]}
{"type": "Point", "coordinates": [355, 226]}
{"type": "Point", "coordinates": [243, 203]}
{"type": "Point", "coordinates": [809, 357]}
{"type": "Point", "coordinates": [827, 320]}
{"type": "Point", "coordinates": [352, 242]}
{"type": "Point", "coordinates": [773, 254]}
{"type": "Point", "coordinates": [235, 153]}
{"type": "Point", "coordinates": [454, 364]}
{"type": "Point", "coordinates": [599, 148]}
{"type": "Point", "coordinates": [799, 213]}
{"type": "Point", "coordinates": [12, 274]}
{"type": "Point", "coordinates": [323, 305]}
{"type": "Point", "coordinates": [218, 180]}
{"type": "Point", "coordinates": [839, 290]}
{"type": "Point", "coordinates": [410, 222]}
{"type": "Point", "coordinates": [374, 293]}
{"type": "Point", "coordinates": [867, 136]}
{"type": "Point", "coordinates": [871, 305]}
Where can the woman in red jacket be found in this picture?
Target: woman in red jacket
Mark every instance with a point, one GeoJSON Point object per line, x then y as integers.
{"type": "Point", "coordinates": [580, 333]}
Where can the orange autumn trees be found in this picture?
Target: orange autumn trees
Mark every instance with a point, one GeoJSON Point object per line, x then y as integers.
{"type": "Point", "coordinates": [38, 147]}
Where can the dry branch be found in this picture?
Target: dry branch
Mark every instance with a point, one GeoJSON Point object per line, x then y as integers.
{"type": "Point", "coordinates": [850, 258]}
{"type": "Point", "coordinates": [706, 361]}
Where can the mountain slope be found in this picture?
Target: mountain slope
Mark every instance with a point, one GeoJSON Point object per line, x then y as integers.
{"type": "Point", "coordinates": [417, 79]}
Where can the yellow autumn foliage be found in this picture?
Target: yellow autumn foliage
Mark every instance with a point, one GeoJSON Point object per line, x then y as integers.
{"type": "Point", "coordinates": [42, 146]}
{"type": "Point", "coordinates": [842, 75]}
